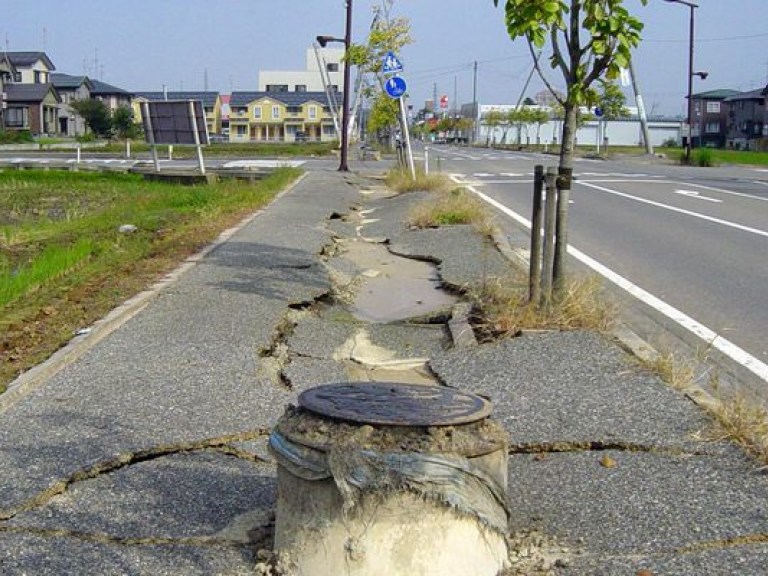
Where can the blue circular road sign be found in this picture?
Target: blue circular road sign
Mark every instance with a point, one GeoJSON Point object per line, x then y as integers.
{"type": "Point", "coordinates": [395, 87]}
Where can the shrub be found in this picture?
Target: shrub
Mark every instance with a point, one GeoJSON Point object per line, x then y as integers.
{"type": "Point", "coordinates": [703, 158]}
{"type": "Point", "coordinates": [16, 137]}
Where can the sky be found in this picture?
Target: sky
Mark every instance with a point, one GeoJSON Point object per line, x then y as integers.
{"type": "Point", "coordinates": [143, 45]}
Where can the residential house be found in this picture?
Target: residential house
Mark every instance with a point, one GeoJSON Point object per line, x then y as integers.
{"type": "Point", "coordinates": [30, 101]}
{"type": "Point", "coordinates": [280, 117]}
{"type": "Point", "coordinates": [747, 127]}
{"type": "Point", "coordinates": [324, 67]}
{"type": "Point", "coordinates": [33, 107]}
{"type": "Point", "coordinates": [211, 105]}
{"type": "Point", "coordinates": [112, 96]}
{"type": "Point", "coordinates": [7, 71]}
{"type": "Point", "coordinates": [31, 67]}
{"type": "Point", "coordinates": [71, 88]}
{"type": "Point", "coordinates": [710, 118]}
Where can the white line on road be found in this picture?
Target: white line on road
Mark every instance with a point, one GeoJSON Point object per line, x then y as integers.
{"type": "Point", "coordinates": [694, 194]}
{"type": "Point", "coordinates": [679, 210]}
{"type": "Point", "coordinates": [713, 339]}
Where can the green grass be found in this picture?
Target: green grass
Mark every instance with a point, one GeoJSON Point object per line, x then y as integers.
{"type": "Point", "coordinates": [64, 262]}
{"type": "Point", "coordinates": [266, 149]}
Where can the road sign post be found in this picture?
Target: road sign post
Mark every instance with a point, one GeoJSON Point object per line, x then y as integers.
{"type": "Point", "coordinates": [396, 87]}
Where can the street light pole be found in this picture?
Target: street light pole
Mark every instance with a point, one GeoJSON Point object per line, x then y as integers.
{"type": "Point", "coordinates": [689, 142]}
{"type": "Point", "coordinates": [343, 167]}
{"type": "Point", "coordinates": [689, 145]}
{"type": "Point", "coordinates": [347, 41]}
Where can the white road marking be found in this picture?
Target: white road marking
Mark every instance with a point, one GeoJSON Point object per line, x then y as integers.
{"type": "Point", "coordinates": [694, 194]}
{"type": "Point", "coordinates": [679, 210]}
{"type": "Point", "coordinates": [713, 339]}
{"type": "Point", "coordinates": [263, 163]}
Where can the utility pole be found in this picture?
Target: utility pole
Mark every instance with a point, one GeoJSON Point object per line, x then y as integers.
{"type": "Point", "coordinates": [641, 110]}
{"type": "Point", "coordinates": [475, 112]}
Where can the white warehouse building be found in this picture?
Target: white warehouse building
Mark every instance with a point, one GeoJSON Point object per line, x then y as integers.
{"type": "Point", "coordinates": [623, 132]}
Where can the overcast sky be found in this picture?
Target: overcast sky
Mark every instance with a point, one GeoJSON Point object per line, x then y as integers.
{"type": "Point", "coordinates": [142, 45]}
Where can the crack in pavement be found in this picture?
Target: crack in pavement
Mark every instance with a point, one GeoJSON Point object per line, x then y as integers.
{"type": "Point", "coordinates": [201, 541]}
{"type": "Point", "coordinates": [128, 459]}
{"type": "Point", "coordinates": [596, 446]}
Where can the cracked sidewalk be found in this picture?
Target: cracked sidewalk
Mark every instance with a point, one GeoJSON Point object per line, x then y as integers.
{"type": "Point", "coordinates": [146, 452]}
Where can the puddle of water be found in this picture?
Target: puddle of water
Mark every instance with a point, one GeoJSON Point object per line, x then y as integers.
{"type": "Point", "coordinates": [393, 288]}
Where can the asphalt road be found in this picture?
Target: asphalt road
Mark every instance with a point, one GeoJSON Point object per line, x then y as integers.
{"type": "Point", "coordinates": [696, 239]}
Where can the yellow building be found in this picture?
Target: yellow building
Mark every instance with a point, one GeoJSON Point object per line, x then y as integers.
{"type": "Point", "coordinates": [280, 117]}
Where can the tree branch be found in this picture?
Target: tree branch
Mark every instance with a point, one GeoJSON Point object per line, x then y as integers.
{"type": "Point", "coordinates": [541, 74]}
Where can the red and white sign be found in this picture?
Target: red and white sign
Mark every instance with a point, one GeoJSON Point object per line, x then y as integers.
{"type": "Point", "coordinates": [443, 102]}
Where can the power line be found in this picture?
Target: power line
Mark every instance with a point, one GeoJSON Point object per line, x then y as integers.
{"type": "Point", "coordinates": [723, 39]}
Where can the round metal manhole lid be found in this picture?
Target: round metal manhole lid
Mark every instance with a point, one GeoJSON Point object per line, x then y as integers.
{"type": "Point", "coordinates": [395, 404]}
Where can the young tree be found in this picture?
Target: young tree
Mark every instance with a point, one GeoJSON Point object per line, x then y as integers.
{"type": "Point", "coordinates": [96, 115]}
{"type": "Point", "coordinates": [492, 120]}
{"type": "Point", "coordinates": [386, 34]}
{"type": "Point", "coordinates": [123, 125]}
{"type": "Point", "coordinates": [589, 39]}
{"type": "Point", "coordinates": [611, 101]}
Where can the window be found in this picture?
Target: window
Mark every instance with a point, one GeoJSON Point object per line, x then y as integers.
{"type": "Point", "coordinates": [312, 111]}
{"type": "Point", "coordinates": [332, 66]}
{"type": "Point", "coordinates": [713, 107]}
{"type": "Point", "coordinates": [295, 110]}
{"type": "Point", "coordinates": [329, 130]}
{"type": "Point", "coordinates": [275, 112]}
{"type": "Point", "coordinates": [257, 112]}
{"type": "Point", "coordinates": [291, 130]}
{"type": "Point", "coordinates": [240, 131]}
{"type": "Point", "coordinates": [277, 87]}
{"type": "Point", "coordinates": [300, 88]}
{"type": "Point", "coordinates": [713, 127]}
{"type": "Point", "coordinates": [17, 76]}
{"type": "Point", "coordinates": [17, 118]}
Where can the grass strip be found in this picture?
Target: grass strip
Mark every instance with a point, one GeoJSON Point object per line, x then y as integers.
{"type": "Point", "coordinates": [64, 262]}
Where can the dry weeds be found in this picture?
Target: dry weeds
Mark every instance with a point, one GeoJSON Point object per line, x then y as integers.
{"type": "Point", "coordinates": [402, 181]}
{"type": "Point", "coordinates": [456, 206]}
{"type": "Point", "coordinates": [506, 310]}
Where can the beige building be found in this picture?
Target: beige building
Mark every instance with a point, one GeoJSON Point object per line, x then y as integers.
{"type": "Point", "coordinates": [321, 63]}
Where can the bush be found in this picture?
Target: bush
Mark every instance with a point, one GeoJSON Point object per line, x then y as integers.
{"type": "Point", "coordinates": [89, 137]}
{"type": "Point", "coordinates": [16, 137]}
{"type": "Point", "coordinates": [703, 158]}
{"type": "Point", "coordinates": [669, 143]}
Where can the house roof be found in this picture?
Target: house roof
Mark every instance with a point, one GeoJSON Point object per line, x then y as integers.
{"type": "Point", "coordinates": [751, 95]}
{"type": "Point", "coordinates": [6, 62]}
{"type": "Point", "coordinates": [21, 59]}
{"type": "Point", "coordinates": [29, 92]}
{"type": "Point", "coordinates": [720, 94]}
{"type": "Point", "coordinates": [102, 88]}
{"type": "Point", "coordinates": [287, 98]}
{"type": "Point", "coordinates": [69, 82]}
{"type": "Point", "coordinates": [207, 98]}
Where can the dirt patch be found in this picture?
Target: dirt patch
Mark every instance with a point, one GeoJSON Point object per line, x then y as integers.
{"type": "Point", "coordinates": [469, 440]}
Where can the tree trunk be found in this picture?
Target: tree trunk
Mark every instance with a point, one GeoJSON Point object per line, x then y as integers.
{"type": "Point", "coordinates": [563, 196]}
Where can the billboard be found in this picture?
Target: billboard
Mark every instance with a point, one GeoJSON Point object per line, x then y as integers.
{"type": "Point", "coordinates": [180, 122]}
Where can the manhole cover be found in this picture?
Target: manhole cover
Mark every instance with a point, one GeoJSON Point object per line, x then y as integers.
{"type": "Point", "coordinates": [395, 404]}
